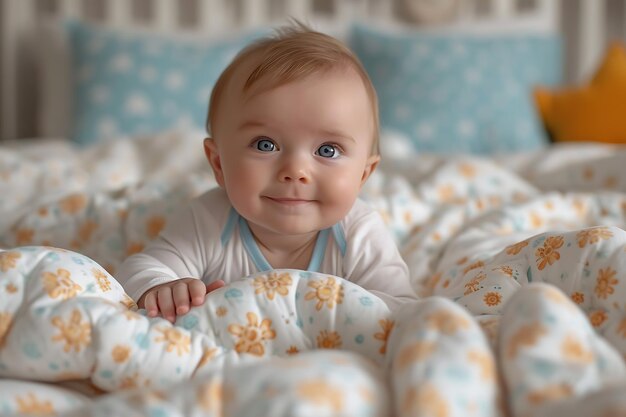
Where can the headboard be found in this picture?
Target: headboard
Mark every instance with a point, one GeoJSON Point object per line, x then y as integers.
{"type": "Point", "coordinates": [583, 23]}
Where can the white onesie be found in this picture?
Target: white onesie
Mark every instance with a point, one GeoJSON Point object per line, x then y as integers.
{"type": "Point", "coordinates": [208, 239]}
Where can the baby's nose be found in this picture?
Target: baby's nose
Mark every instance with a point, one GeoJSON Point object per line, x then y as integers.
{"type": "Point", "coordinates": [294, 170]}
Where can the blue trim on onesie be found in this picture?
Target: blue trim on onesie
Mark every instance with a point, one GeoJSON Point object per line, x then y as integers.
{"type": "Point", "coordinates": [318, 251]}
{"type": "Point", "coordinates": [257, 256]}
{"type": "Point", "coordinates": [340, 238]}
{"type": "Point", "coordinates": [251, 246]}
{"type": "Point", "coordinates": [230, 224]}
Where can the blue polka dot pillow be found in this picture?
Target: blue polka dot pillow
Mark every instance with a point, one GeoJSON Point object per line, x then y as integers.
{"type": "Point", "coordinates": [131, 83]}
{"type": "Point", "coordinates": [456, 93]}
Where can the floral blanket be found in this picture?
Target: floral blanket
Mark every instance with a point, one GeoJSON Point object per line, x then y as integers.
{"type": "Point", "coordinates": [519, 260]}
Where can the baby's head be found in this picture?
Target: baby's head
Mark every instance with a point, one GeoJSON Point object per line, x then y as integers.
{"type": "Point", "coordinates": [292, 54]}
{"type": "Point", "coordinates": [293, 126]}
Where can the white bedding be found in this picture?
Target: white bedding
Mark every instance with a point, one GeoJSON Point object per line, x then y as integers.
{"type": "Point", "coordinates": [510, 240]}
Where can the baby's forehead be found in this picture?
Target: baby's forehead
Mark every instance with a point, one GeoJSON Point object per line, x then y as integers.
{"type": "Point", "coordinates": [242, 87]}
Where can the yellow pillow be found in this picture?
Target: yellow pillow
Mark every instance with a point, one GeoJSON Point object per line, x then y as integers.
{"type": "Point", "coordinates": [593, 112]}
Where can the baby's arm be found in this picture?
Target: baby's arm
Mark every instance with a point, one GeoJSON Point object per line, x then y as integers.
{"type": "Point", "coordinates": [175, 298]}
{"type": "Point", "coordinates": [167, 276]}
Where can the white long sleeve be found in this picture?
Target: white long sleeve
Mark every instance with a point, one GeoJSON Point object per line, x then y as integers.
{"type": "Point", "coordinates": [200, 241]}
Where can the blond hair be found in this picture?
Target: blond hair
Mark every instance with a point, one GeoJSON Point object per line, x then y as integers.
{"type": "Point", "coordinates": [292, 54]}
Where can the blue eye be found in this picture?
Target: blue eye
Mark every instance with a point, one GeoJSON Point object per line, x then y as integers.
{"type": "Point", "coordinates": [265, 145]}
{"type": "Point", "coordinates": [328, 151]}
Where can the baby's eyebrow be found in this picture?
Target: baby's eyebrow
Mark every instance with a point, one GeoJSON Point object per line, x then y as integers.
{"type": "Point", "coordinates": [333, 134]}
{"type": "Point", "coordinates": [251, 124]}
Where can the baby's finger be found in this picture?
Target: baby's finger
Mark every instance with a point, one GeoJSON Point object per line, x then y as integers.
{"type": "Point", "coordinates": [181, 291]}
{"type": "Point", "coordinates": [214, 285]}
{"type": "Point", "coordinates": [150, 304]}
{"type": "Point", "coordinates": [166, 303]}
{"type": "Point", "coordinates": [196, 291]}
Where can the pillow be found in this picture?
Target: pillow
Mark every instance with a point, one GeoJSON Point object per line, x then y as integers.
{"type": "Point", "coordinates": [459, 92]}
{"type": "Point", "coordinates": [591, 112]}
{"type": "Point", "coordinates": [135, 82]}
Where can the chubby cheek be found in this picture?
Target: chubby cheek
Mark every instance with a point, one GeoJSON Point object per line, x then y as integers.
{"type": "Point", "coordinates": [341, 190]}
{"type": "Point", "coordinates": [242, 183]}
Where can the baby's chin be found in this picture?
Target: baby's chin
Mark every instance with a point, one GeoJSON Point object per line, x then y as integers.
{"type": "Point", "coordinates": [293, 226]}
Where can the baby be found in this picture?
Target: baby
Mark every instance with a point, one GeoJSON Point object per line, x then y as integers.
{"type": "Point", "coordinates": [293, 122]}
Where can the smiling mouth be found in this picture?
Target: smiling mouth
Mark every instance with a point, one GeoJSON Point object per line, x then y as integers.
{"type": "Point", "coordinates": [289, 201]}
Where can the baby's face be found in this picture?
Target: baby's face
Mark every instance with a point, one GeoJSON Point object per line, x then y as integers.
{"type": "Point", "coordinates": [292, 159]}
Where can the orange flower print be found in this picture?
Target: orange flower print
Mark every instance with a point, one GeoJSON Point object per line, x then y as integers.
{"type": "Point", "coordinates": [536, 221]}
{"type": "Point", "coordinates": [591, 236]}
{"type": "Point", "coordinates": [525, 336]}
{"type": "Point", "coordinates": [578, 298]}
{"type": "Point", "coordinates": [133, 248]}
{"type": "Point", "coordinates": [120, 353]}
{"type": "Point", "coordinates": [128, 302]}
{"type": "Point", "coordinates": [387, 326]}
{"type": "Point", "coordinates": [210, 397]}
{"type": "Point", "coordinates": [293, 350]}
{"type": "Point", "coordinates": [129, 382]}
{"type": "Point", "coordinates": [485, 362]}
{"type": "Point", "coordinates": [85, 231]}
{"type": "Point", "coordinates": [573, 350]}
{"type": "Point", "coordinates": [5, 324]}
{"type": "Point", "coordinates": [467, 170]}
{"type": "Point", "coordinates": [597, 318]}
{"type": "Point", "coordinates": [101, 279]}
{"type": "Point", "coordinates": [516, 248]}
{"type": "Point", "coordinates": [60, 284]}
{"type": "Point", "coordinates": [447, 322]}
{"type": "Point", "coordinates": [253, 335]}
{"type": "Point", "coordinates": [446, 193]}
{"type": "Point", "coordinates": [425, 400]}
{"type": "Point", "coordinates": [273, 283]}
{"type": "Point", "coordinates": [477, 264]}
{"type": "Point", "coordinates": [550, 393]}
{"type": "Point", "coordinates": [328, 340]}
{"type": "Point", "coordinates": [473, 285]}
{"type": "Point", "coordinates": [605, 282]}
{"type": "Point", "coordinates": [412, 353]}
{"type": "Point", "coordinates": [505, 269]}
{"type": "Point", "coordinates": [10, 288]}
{"type": "Point", "coordinates": [320, 392]}
{"type": "Point", "coordinates": [73, 204]}
{"type": "Point", "coordinates": [548, 254]}
{"type": "Point", "coordinates": [462, 260]}
{"type": "Point", "coordinates": [327, 292]}
{"type": "Point", "coordinates": [175, 339]}
{"type": "Point", "coordinates": [154, 225]}
{"type": "Point", "coordinates": [207, 355]}
{"type": "Point", "coordinates": [492, 298]}
{"type": "Point", "coordinates": [8, 260]}
{"type": "Point", "coordinates": [580, 208]}
{"type": "Point", "coordinates": [75, 333]}
{"type": "Point", "coordinates": [31, 405]}
{"type": "Point", "coordinates": [221, 311]}
{"type": "Point", "coordinates": [24, 236]}
{"type": "Point", "coordinates": [621, 329]}
{"type": "Point", "coordinates": [434, 280]}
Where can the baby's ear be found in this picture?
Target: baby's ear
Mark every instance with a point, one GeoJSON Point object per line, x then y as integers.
{"type": "Point", "coordinates": [370, 166]}
{"type": "Point", "coordinates": [213, 156]}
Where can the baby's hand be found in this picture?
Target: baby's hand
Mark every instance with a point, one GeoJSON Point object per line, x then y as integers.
{"type": "Point", "coordinates": [177, 297]}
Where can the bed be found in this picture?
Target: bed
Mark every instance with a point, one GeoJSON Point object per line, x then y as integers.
{"type": "Point", "coordinates": [502, 182]}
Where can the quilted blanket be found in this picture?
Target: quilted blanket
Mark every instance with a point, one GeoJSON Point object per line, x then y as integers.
{"type": "Point", "coordinates": [519, 260]}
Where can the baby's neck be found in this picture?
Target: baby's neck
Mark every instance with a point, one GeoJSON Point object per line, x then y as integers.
{"type": "Point", "coordinates": [286, 251]}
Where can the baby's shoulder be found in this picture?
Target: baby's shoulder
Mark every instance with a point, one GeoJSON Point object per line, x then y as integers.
{"type": "Point", "coordinates": [360, 217]}
{"type": "Point", "coordinates": [211, 206]}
